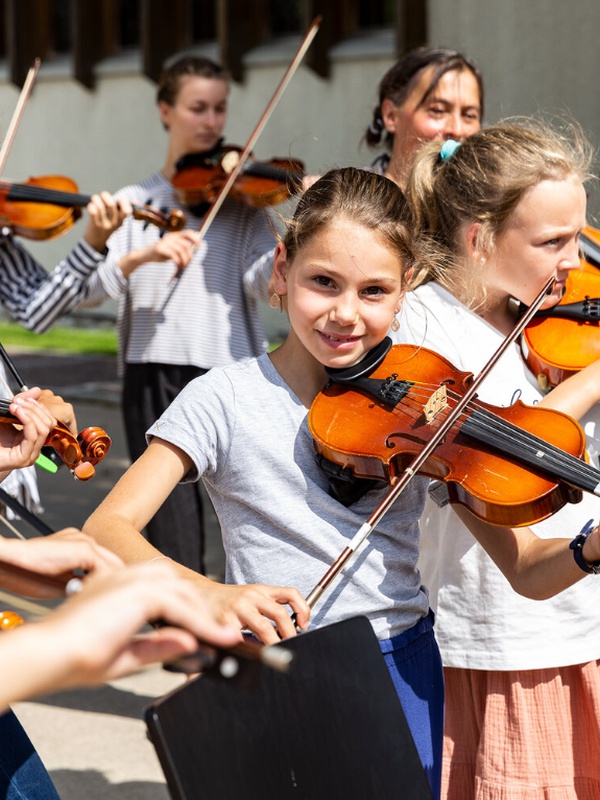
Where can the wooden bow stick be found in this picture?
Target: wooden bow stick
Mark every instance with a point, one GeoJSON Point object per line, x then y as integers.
{"type": "Point", "coordinates": [231, 178]}
{"type": "Point", "coordinates": [18, 113]}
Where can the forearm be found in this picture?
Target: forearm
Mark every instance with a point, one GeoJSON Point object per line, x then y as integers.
{"type": "Point", "coordinates": [577, 394]}
{"type": "Point", "coordinates": [535, 568]}
{"type": "Point", "coordinates": [118, 521]}
{"type": "Point", "coordinates": [36, 298]}
{"type": "Point", "coordinates": [20, 650]}
{"type": "Point", "coordinates": [119, 535]}
{"type": "Point", "coordinates": [131, 261]}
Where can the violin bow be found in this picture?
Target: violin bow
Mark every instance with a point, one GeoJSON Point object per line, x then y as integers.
{"type": "Point", "coordinates": [18, 113]}
{"type": "Point", "coordinates": [23, 512]}
{"type": "Point", "coordinates": [409, 473]}
{"type": "Point", "coordinates": [270, 107]}
{"type": "Point", "coordinates": [243, 157]}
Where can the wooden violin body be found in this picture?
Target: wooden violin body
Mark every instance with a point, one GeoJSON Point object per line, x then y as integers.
{"type": "Point", "coordinates": [199, 178]}
{"type": "Point", "coordinates": [589, 241]}
{"type": "Point", "coordinates": [497, 462]}
{"type": "Point", "coordinates": [45, 207]}
{"type": "Point", "coordinates": [562, 340]}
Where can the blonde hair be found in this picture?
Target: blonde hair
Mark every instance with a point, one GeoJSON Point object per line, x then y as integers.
{"type": "Point", "coordinates": [483, 181]}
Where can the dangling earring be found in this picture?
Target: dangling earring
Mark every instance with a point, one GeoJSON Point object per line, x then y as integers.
{"type": "Point", "coordinates": [395, 326]}
{"type": "Point", "coordinates": [276, 301]}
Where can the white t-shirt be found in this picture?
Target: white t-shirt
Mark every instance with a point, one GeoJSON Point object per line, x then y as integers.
{"type": "Point", "coordinates": [247, 434]}
{"type": "Point", "coordinates": [481, 623]}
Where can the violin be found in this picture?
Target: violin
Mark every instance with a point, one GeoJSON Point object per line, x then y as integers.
{"type": "Point", "coordinates": [509, 466]}
{"type": "Point", "coordinates": [589, 242]}
{"type": "Point", "coordinates": [80, 453]}
{"type": "Point", "coordinates": [562, 340]}
{"type": "Point", "coordinates": [199, 178]}
{"type": "Point", "coordinates": [45, 207]}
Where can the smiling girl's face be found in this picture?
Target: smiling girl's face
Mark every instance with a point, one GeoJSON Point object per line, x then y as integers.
{"type": "Point", "coordinates": [342, 290]}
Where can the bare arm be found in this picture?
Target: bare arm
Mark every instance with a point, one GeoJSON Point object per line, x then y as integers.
{"type": "Point", "coordinates": [577, 394]}
{"type": "Point", "coordinates": [92, 637]}
{"type": "Point", "coordinates": [536, 568]}
{"type": "Point", "coordinates": [118, 521]}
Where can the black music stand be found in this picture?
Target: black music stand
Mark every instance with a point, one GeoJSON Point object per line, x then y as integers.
{"type": "Point", "coordinates": [331, 727]}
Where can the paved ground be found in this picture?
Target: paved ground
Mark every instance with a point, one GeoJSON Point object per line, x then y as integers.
{"type": "Point", "coordinates": [93, 742]}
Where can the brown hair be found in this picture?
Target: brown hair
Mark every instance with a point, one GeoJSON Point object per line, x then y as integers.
{"type": "Point", "coordinates": [365, 198]}
{"type": "Point", "coordinates": [483, 181]}
{"type": "Point", "coordinates": [399, 80]}
{"type": "Point", "coordinates": [169, 82]}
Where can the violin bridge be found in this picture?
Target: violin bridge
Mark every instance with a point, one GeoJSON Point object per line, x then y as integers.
{"type": "Point", "coordinates": [436, 403]}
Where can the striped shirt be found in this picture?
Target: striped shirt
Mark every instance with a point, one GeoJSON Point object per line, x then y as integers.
{"type": "Point", "coordinates": [209, 315]}
{"type": "Point", "coordinates": [37, 298]}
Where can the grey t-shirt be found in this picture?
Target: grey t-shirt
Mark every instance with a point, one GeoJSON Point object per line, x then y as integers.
{"type": "Point", "coordinates": [248, 437]}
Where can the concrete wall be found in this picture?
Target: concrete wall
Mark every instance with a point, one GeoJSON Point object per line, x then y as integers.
{"type": "Point", "coordinates": [536, 56]}
{"type": "Point", "coordinates": [539, 55]}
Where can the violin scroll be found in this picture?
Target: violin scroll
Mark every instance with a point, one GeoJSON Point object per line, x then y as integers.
{"type": "Point", "coordinates": [170, 222]}
{"type": "Point", "coordinates": [82, 452]}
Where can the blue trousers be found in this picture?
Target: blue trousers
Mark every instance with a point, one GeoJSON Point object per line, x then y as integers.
{"type": "Point", "coordinates": [414, 662]}
{"type": "Point", "coordinates": [22, 774]}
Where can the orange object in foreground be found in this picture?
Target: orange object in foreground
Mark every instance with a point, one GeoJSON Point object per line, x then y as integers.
{"type": "Point", "coordinates": [560, 341]}
{"type": "Point", "coordinates": [509, 466]}
{"type": "Point", "coordinates": [79, 453]}
{"type": "Point", "coordinates": [199, 178]}
{"type": "Point", "coordinates": [10, 619]}
{"type": "Point", "coordinates": [45, 207]}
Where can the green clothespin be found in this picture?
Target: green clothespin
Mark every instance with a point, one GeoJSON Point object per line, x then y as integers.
{"type": "Point", "coordinates": [45, 463]}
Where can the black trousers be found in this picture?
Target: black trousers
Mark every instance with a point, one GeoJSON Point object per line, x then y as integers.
{"type": "Point", "coordinates": [177, 529]}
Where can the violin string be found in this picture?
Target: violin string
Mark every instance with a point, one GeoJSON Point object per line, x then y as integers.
{"type": "Point", "coordinates": [555, 459]}
{"type": "Point", "coordinates": [40, 194]}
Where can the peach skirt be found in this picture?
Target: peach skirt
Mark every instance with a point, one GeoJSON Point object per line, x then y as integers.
{"type": "Point", "coordinates": [528, 735]}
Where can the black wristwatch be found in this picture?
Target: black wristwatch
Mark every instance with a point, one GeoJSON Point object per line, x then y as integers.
{"type": "Point", "coordinates": [577, 547]}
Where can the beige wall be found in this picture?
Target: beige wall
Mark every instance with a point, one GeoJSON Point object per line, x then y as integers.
{"type": "Point", "coordinates": [535, 55]}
